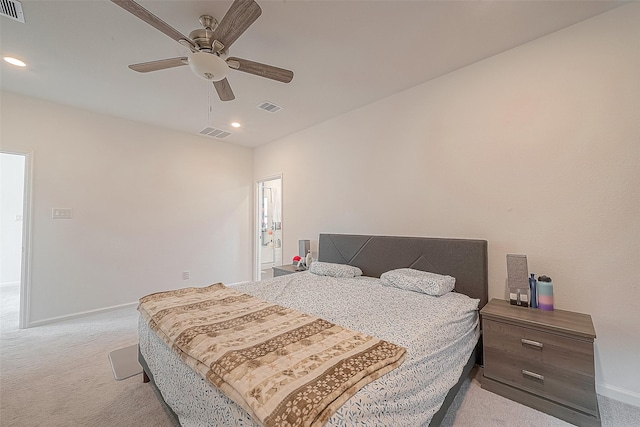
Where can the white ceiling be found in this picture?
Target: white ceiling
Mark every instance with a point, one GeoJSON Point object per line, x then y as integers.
{"type": "Point", "coordinates": [345, 54]}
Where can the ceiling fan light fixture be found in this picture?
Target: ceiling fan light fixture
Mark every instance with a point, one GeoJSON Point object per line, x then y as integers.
{"type": "Point", "coordinates": [208, 66]}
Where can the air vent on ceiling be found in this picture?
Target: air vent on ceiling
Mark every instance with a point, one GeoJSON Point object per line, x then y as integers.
{"type": "Point", "coordinates": [270, 107]}
{"type": "Point", "coordinates": [12, 9]}
{"type": "Point", "coordinates": [215, 132]}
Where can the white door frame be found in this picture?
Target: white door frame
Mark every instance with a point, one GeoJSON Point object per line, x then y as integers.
{"type": "Point", "coordinates": [27, 219]}
{"type": "Point", "coordinates": [257, 271]}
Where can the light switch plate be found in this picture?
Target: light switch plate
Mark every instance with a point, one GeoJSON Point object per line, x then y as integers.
{"type": "Point", "coordinates": [61, 213]}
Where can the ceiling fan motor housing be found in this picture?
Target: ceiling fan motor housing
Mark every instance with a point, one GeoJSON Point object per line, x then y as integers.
{"type": "Point", "coordinates": [202, 38]}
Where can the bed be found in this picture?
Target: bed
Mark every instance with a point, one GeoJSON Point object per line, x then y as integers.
{"type": "Point", "coordinates": [418, 392]}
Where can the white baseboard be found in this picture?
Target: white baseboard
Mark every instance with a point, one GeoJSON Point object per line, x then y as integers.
{"type": "Point", "coordinates": [617, 393]}
{"type": "Point", "coordinates": [237, 283]}
{"type": "Point", "coordinates": [90, 312]}
{"type": "Point", "coordinates": [81, 314]}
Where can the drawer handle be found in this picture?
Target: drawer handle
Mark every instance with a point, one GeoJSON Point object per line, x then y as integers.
{"type": "Point", "coordinates": [531, 343]}
{"type": "Point", "coordinates": [532, 375]}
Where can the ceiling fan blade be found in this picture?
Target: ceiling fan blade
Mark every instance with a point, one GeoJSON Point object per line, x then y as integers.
{"type": "Point", "coordinates": [224, 90]}
{"type": "Point", "coordinates": [262, 70]}
{"type": "Point", "coordinates": [238, 18]}
{"type": "Point", "coordinates": [161, 64]}
{"type": "Point", "coordinates": [151, 19]}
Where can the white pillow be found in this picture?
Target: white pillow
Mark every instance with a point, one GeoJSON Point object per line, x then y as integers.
{"type": "Point", "coordinates": [334, 270]}
{"type": "Point", "coordinates": [418, 281]}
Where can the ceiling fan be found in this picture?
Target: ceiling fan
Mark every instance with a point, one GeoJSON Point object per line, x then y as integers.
{"type": "Point", "coordinates": [209, 46]}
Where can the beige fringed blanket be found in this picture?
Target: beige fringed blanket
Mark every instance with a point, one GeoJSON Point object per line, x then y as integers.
{"type": "Point", "coordinates": [284, 367]}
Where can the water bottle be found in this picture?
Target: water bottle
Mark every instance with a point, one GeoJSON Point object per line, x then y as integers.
{"type": "Point", "coordinates": [534, 292]}
{"type": "Point", "coordinates": [545, 293]}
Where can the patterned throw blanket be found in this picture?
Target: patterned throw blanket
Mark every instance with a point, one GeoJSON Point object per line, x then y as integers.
{"type": "Point", "coordinates": [284, 367]}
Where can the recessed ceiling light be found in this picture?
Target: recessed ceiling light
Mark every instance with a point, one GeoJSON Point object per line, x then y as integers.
{"type": "Point", "coordinates": [235, 124]}
{"type": "Point", "coordinates": [14, 61]}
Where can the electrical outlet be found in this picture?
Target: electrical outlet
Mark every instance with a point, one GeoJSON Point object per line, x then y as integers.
{"type": "Point", "coordinates": [185, 275]}
{"type": "Point", "coordinates": [61, 213]}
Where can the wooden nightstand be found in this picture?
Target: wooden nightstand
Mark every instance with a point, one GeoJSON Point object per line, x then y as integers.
{"type": "Point", "coordinates": [281, 270]}
{"type": "Point", "coordinates": [542, 359]}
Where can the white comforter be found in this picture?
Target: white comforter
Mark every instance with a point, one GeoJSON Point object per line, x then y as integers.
{"type": "Point", "coordinates": [438, 332]}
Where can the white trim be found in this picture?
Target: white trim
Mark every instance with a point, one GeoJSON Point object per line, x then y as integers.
{"type": "Point", "coordinates": [81, 314]}
{"type": "Point", "coordinates": [617, 393]}
{"type": "Point", "coordinates": [256, 230]}
{"type": "Point", "coordinates": [237, 283]}
{"type": "Point", "coordinates": [27, 217]}
{"type": "Point", "coordinates": [96, 311]}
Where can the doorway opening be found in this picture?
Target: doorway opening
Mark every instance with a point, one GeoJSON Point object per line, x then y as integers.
{"type": "Point", "coordinates": [15, 208]}
{"type": "Point", "coordinates": [269, 226]}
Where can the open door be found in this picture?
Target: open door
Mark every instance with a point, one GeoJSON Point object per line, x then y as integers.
{"type": "Point", "coordinates": [15, 216]}
{"type": "Point", "coordinates": [269, 226]}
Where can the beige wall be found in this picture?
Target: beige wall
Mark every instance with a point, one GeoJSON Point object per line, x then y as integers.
{"type": "Point", "coordinates": [536, 150]}
{"type": "Point", "coordinates": [147, 205]}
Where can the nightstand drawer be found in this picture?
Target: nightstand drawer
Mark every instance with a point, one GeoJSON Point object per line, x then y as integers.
{"type": "Point", "coordinates": [567, 387]}
{"type": "Point", "coordinates": [542, 347]}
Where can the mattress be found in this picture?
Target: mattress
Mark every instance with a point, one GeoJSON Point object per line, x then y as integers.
{"type": "Point", "coordinates": [439, 334]}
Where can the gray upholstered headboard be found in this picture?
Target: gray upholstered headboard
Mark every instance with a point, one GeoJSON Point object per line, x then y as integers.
{"type": "Point", "coordinates": [466, 260]}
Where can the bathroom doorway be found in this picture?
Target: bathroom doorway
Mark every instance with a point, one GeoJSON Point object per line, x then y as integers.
{"type": "Point", "coordinates": [269, 226]}
{"type": "Point", "coordinates": [15, 202]}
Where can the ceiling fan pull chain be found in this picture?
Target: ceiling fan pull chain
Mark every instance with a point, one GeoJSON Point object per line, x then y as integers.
{"type": "Point", "coordinates": [210, 108]}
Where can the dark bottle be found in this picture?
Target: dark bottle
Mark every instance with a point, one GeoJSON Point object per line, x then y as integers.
{"type": "Point", "coordinates": [533, 300]}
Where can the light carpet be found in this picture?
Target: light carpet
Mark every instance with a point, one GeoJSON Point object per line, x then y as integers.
{"type": "Point", "coordinates": [58, 375]}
